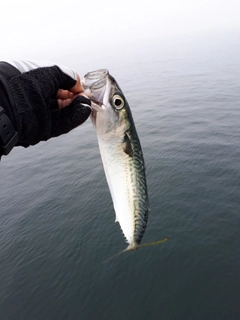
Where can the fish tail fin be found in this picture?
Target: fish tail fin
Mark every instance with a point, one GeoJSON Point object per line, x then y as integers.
{"type": "Point", "coordinates": [153, 243]}
{"type": "Point", "coordinates": [132, 248]}
{"type": "Point", "coordinates": [115, 255]}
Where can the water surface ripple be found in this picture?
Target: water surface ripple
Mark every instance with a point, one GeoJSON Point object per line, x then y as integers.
{"type": "Point", "coordinates": [57, 220]}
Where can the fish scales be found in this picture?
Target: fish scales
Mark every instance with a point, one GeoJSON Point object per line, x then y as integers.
{"type": "Point", "coordinates": [133, 191]}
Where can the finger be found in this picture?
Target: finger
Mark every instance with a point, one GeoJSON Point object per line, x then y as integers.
{"type": "Point", "coordinates": [82, 98]}
{"type": "Point", "coordinates": [64, 103]}
{"type": "Point", "coordinates": [69, 118]}
{"type": "Point", "coordinates": [77, 88]}
{"type": "Point", "coordinates": [64, 94]}
{"type": "Point", "coordinates": [49, 80]}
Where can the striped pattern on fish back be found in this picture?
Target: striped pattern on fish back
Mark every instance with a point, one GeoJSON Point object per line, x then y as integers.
{"type": "Point", "coordinates": [141, 203]}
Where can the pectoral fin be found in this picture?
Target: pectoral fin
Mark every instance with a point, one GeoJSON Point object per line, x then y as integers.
{"type": "Point", "coordinates": [127, 146]}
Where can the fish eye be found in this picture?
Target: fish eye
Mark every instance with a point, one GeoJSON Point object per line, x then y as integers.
{"type": "Point", "coordinates": [118, 102]}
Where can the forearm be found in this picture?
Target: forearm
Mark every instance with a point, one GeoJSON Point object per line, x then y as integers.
{"type": "Point", "coordinates": [8, 123]}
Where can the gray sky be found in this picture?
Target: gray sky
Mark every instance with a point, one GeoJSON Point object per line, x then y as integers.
{"type": "Point", "coordinates": [31, 28]}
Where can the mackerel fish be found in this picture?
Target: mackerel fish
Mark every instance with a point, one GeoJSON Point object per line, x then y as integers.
{"type": "Point", "coordinates": [121, 154]}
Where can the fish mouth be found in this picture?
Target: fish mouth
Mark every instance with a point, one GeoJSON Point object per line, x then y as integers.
{"type": "Point", "coordinates": [97, 74]}
{"type": "Point", "coordinates": [95, 80]}
{"type": "Point", "coordinates": [94, 83]}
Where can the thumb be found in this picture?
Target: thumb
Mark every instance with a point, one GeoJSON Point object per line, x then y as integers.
{"type": "Point", "coordinates": [68, 118]}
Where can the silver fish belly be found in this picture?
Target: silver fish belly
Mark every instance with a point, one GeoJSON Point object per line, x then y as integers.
{"type": "Point", "coordinates": [121, 154]}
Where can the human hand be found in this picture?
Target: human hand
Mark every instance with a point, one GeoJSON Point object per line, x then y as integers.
{"type": "Point", "coordinates": [65, 97]}
{"type": "Point", "coordinates": [47, 102]}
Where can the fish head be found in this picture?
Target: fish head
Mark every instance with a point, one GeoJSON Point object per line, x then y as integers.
{"type": "Point", "coordinates": [109, 106]}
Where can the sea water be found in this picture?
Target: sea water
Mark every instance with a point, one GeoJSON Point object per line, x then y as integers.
{"type": "Point", "coordinates": [56, 215]}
